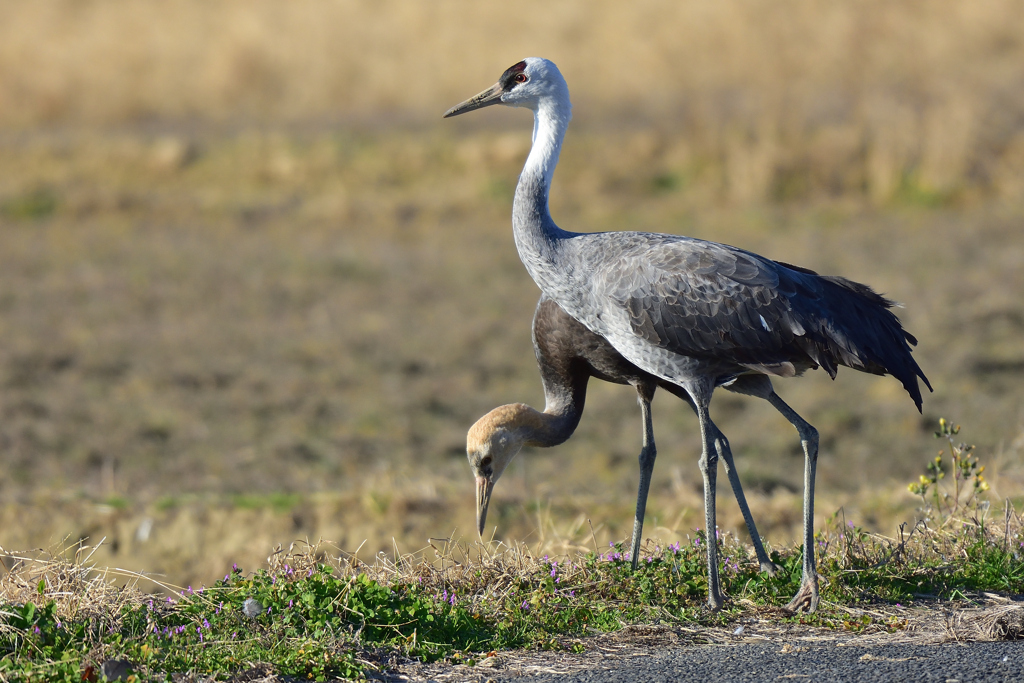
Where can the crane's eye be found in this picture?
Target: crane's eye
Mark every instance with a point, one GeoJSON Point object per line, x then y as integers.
{"type": "Point", "coordinates": [485, 461]}
{"type": "Point", "coordinates": [521, 78]}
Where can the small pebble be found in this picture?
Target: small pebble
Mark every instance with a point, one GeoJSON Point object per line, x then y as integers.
{"type": "Point", "coordinates": [252, 608]}
{"type": "Point", "coordinates": [116, 669]}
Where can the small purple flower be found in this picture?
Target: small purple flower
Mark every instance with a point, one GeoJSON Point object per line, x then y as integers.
{"type": "Point", "coordinates": [289, 604]}
{"type": "Point", "coordinates": [268, 609]}
{"type": "Point", "coordinates": [206, 624]}
{"type": "Point", "coordinates": [35, 629]}
{"type": "Point", "coordinates": [525, 605]}
{"type": "Point", "coordinates": [234, 635]}
{"type": "Point", "coordinates": [850, 524]}
{"type": "Point", "coordinates": [234, 566]}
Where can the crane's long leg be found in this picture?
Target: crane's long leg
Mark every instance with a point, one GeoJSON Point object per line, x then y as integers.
{"type": "Point", "coordinates": [648, 453]}
{"type": "Point", "coordinates": [767, 566]}
{"type": "Point", "coordinates": [645, 394]}
{"type": "Point", "coordinates": [807, 597]}
{"type": "Point", "coordinates": [713, 445]}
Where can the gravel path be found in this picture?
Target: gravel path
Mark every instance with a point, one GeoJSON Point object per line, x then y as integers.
{"type": "Point", "coordinates": [939, 641]}
{"type": "Point", "coordinates": [960, 662]}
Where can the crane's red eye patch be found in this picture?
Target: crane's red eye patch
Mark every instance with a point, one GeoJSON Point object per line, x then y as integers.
{"type": "Point", "coordinates": [513, 76]}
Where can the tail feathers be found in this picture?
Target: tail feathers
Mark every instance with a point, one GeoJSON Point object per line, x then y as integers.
{"type": "Point", "coordinates": [862, 333]}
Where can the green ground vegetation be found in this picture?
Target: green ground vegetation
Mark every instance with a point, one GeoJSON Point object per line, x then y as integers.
{"type": "Point", "coordinates": [315, 621]}
{"type": "Point", "coordinates": [316, 617]}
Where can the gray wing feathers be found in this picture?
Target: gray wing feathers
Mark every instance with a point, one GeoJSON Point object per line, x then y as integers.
{"type": "Point", "coordinates": [709, 301]}
{"type": "Point", "coordinates": [702, 299]}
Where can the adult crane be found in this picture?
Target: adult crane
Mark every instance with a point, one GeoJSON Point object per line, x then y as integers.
{"type": "Point", "coordinates": [695, 313]}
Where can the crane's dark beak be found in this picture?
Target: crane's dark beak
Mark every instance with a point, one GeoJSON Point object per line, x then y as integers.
{"type": "Point", "coordinates": [485, 99]}
{"type": "Point", "coordinates": [484, 486]}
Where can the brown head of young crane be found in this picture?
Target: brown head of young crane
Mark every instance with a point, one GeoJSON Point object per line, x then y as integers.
{"type": "Point", "coordinates": [694, 313]}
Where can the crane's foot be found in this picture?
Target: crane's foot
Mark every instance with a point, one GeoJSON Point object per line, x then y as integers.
{"type": "Point", "coordinates": [806, 599]}
{"type": "Point", "coordinates": [770, 568]}
{"type": "Point", "coordinates": [715, 602]}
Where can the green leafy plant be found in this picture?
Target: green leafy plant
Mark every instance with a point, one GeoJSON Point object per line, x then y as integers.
{"type": "Point", "coordinates": [968, 478]}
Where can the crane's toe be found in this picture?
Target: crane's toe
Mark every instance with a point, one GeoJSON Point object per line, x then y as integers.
{"type": "Point", "coordinates": [806, 599]}
{"type": "Point", "coordinates": [770, 568]}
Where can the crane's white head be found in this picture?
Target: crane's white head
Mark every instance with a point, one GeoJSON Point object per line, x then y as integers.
{"type": "Point", "coordinates": [531, 83]}
{"type": "Point", "coordinates": [491, 444]}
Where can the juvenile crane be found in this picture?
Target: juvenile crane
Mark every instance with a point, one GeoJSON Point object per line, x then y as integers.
{"type": "Point", "coordinates": [694, 313]}
{"type": "Point", "coordinates": [568, 355]}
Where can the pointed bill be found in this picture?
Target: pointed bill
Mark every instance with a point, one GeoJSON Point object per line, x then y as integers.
{"type": "Point", "coordinates": [485, 99]}
{"type": "Point", "coordinates": [484, 486]}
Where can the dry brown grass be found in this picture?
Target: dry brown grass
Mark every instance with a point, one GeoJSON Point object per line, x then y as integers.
{"type": "Point", "coordinates": [266, 336]}
{"type": "Point", "coordinates": [288, 313]}
{"type": "Point", "coordinates": [236, 301]}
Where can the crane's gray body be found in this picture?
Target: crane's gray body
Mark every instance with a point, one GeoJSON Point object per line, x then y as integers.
{"type": "Point", "coordinates": [692, 311]}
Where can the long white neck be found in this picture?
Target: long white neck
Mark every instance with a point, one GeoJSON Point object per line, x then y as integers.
{"type": "Point", "coordinates": [550, 121]}
{"type": "Point", "coordinates": [535, 233]}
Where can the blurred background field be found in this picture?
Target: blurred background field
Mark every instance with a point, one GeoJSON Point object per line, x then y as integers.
{"type": "Point", "coordinates": [253, 289]}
